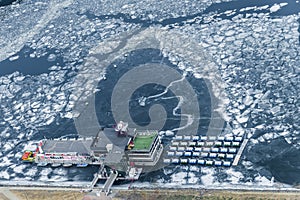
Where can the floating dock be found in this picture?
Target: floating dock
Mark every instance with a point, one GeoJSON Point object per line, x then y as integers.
{"type": "Point", "coordinates": [205, 150]}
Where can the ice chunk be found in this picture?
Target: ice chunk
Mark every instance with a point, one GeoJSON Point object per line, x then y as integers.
{"type": "Point", "coordinates": [46, 171]}
{"type": "Point", "coordinates": [8, 146]}
{"type": "Point", "coordinates": [285, 133]}
{"type": "Point", "coordinates": [288, 140]}
{"type": "Point", "coordinates": [35, 105]}
{"type": "Point", "coordinates": [283, 4]}
{"type": "Point", "coordinates": [238, 131]}
{"type": "Point", "coordinates": [19, 78]}
{"type": "Point", "coordinates": [4, 175]}
{"type": "Point", "coordinates": [31, 172]}
{"type": "Point", "coordinates": [265, 95]}
{"type": "Point", "coordinates": [208, 178]}
{"type": "Point", "coordinates": [32, 55]}
{"type": "Point", "coordinates": [230, 33]}
{"type": "Point", "coordinates": [169, 133]}
{"type": "Point", "coordinates": [51, 58]}
{"type": "Point", "coordinates": [179, 177]}
{"type": "Point", "coordinates": [242, 119]}
{"type": "Point", "coordinates": [20, 136]}
{"type": "Point", "coordinates": [275, 8]}
{"type": "Point", "coordinates": [19, 169]}
{"type": "Point", "coordinates": [16, 57]}
{"type": "Point", "coordinates": [275, 110]}
{"type": "Point", "coordinates": [142, 101]}
{"type": "Point", "coordinates": [192, 178]}
{"type": "Point", "coordinates": [261, 126]}
{"type": "Point", "coordinates": [50, 120]}
{"type": "Point", "coordinates": [263, 181]}
{"type": "Point", "coordinates": [258, 29]}
{"type": "Point", "coordinates": [268, 136]}
{"type": "Point", "coordinates": [234, 176]}
{"type": "Point", "coordinates": [5, 162]}
{"type": "Point", "coordinates": [68, 115]}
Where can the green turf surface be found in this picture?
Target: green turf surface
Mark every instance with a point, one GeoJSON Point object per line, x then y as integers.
{"type": "Point", "coordinates": [143, 142]}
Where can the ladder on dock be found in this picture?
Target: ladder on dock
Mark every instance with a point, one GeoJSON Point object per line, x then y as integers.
{"type": "Point", "coordinates": [239, 154]}
{"type": "Point", "coordinates": [109, 182]}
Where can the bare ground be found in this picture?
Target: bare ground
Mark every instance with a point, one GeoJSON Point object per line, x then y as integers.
{"type": "Point", "coordinates": [47, 195]}
{"type": "Point", "coordinates": [204, 194]}
{"type": "Point", "coordinates": [183, 194]}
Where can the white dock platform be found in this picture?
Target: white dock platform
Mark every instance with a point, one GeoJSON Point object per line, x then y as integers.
{"type": "Point", "coordinates": [239, 153]}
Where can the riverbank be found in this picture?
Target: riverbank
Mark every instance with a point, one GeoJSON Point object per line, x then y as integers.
{"type": "Point", "coordinates": [47, 195]}
{"type": "Point", "coordinates": [203, 194]}
{"type": "Point", "coordinates": [138, 194]}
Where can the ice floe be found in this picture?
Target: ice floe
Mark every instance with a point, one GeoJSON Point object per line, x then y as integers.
{"type": "Point", "coordinates": [4, 175]}
{"type": "Point", "coordinates": [277, 7]}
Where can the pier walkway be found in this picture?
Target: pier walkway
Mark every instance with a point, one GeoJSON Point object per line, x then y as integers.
{"type": "Point", "coordinates": [109, 182]}
{"type": "Point", "coordinates": [239, 154]}
{"type": "Point", "coordinates": [96, 178]}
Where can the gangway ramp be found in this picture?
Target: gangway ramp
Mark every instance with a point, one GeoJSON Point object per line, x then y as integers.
{"type": "Point", "coordinates": [95, 180]}
{"type": "Point", "coordinates": [109, 182]}
{"type": "Point", "coordinates": [239, 154]}
{"type": "Point", "coordinates": [97, 176]}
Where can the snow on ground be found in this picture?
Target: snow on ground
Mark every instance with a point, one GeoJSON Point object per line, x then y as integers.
{"type": "Point", "coordinates": [261, 180]}
{"type": "Point", "coordinates": [179, 178]}
{"type": "Point", "coordinates": [207, 178]}
{"type": "Point", "coordinates": [234, 176]}
{"type": "Point", "coordinates": [192, 178]}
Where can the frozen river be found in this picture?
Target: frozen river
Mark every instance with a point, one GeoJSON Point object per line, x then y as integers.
{"type": "Point", "coordinates": [239, 61]}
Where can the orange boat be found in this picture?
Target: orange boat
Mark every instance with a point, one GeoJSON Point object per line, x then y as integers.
{"type": "Point", "coordinates": [28, 156]}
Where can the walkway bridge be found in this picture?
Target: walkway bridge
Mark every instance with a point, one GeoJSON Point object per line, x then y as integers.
{"type": "Point", "coordinates": [109, 182]}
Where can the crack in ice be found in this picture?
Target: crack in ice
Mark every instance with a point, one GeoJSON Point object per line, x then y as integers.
{"type": "Point", "coordinates": [189, 117]}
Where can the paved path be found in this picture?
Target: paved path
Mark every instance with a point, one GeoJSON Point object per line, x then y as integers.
{"type": "Point", "coordinates": [7, 193]}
